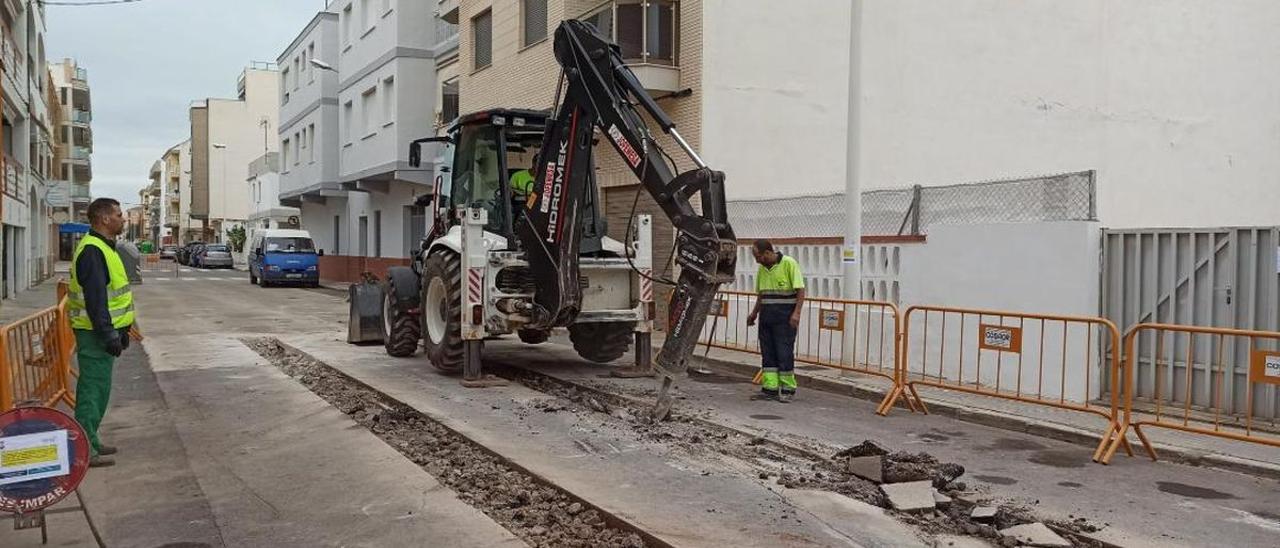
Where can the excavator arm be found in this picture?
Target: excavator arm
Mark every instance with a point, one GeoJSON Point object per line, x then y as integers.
{"type": "Point", "coordinates": [598, 91]}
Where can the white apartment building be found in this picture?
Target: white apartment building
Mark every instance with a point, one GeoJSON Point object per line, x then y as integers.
{"type": "Point", "coordinates": [226, 136]}
{"type": "Point", "coordinates": [356, 191]}
{"type": "Point", "coordinates": [265, 210]}
{"type": "Point", "coordinates": [75, 134]}
{"type": "Point", "coordinates": [28, 149]}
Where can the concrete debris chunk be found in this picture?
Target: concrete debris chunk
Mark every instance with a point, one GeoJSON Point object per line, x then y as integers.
{"type": "Point", "coordinates": [912, 496]}
{"type": "Point", "coordinates": [941, 499]}
{"type": "Point", "coordinates": [983, 513]}
{"type": "Point", "coordinates": [869, 468]}
{"type": "Point", "coordinates": [1035, 534]}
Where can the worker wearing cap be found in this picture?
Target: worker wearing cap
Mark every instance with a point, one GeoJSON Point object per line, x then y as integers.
{"type": "Point", "coordinates": [780, 298]}
{"type": "Point", "coordinates": [100, 304]}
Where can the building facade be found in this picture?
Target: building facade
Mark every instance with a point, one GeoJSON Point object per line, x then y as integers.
{"type": "Point", "coordinates": [226, 136]}
{"type": "Point", "coordinates": [29, 146]}
{"type": "Point", "coordinates": [265, 210]}
{"type": "Point", "coordinates": [74, 133]}
{"type": "Point", "coordinates": [348, 121]}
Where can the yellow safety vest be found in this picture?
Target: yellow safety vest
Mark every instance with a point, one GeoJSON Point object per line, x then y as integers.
{"type": "Point", "coordinates": [119, 295]}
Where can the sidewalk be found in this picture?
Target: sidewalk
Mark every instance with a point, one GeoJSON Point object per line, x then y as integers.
{"type": "Point", "coordinates": [1070, 426]}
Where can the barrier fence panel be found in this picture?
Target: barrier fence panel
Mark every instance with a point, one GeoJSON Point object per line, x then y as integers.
{"type": "Point", "coordinates": [34, 358]}
{"type": "Point", "coordinates": [857, 336]}
{"type": "Point", "coordinates": [1192, 383]}
{"type": "Point", "coordinates": [1040, 359]}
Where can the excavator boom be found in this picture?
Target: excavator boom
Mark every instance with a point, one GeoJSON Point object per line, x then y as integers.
{"type": "Point", "coordinates": [598, 91]}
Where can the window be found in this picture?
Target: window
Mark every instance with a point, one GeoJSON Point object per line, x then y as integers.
{"type": "Point", "coordinates": [367, 100]}
{"type": "Point", "coordinates": [311, 152]}
{"type": "Point", "coordinates": [337, 234]}
{"type": "Point", "coordinates": [475, 174]}
{"type": "Point", "coordinates": [284, 86]}
{"type": "Point", "coordinates": [365, 20]}
{"type": "Point", "coordinates": [297, 147]}
{"type": "Point", "coordinates": [302, 144]}
{"type": "Point", "coordinates": [377, 233]}
{"type": "Point", "coordinates": [482, 39]}
{"type": "Point", "coordinates": [389, 100]}
{"type": "Point", "coordinates": [346, 25]}
{"type": "Point", "coordinates": [347, 120]}
{"type": "Point", "coordinates": [449, 101]}
{"type": "Point", "coordinates": [284, 149]}
{"type": "Point", "coordinates": [311, 54]}
{"type": "Point", "coordinates": [364, 236]}
{"type": "Point", "coordinates": [302, 69]}
{"type": "Point", "coordinates": [534, 18]}
{"type": "Point", "coordinates": [297, 71]}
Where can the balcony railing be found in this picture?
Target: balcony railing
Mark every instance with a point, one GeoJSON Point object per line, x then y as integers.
{"type": "Point", "coordinates": [81, 76]}
{"type": "Point", "coordinates": [80, 193]}
{"type": "Point", "coordinates": [14, 175]}
{"type": "Point", "coordinates": [80, 153]}
{"type": "Point", "coordinates": [81, 116]}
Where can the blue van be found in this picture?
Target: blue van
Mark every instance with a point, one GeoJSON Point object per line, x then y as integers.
{"type": "Point", "coordinates": [280, 256]}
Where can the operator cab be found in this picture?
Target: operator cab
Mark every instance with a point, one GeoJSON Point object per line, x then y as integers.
{"type": "Point", "coordinates": [491, 150]}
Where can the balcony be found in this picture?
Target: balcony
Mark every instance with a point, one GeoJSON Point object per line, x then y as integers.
{"type": "Point", "coordinates": [80, 79]}
{"type": "Point", "coordinates": [14, 176]}
{"type": "Point", "coordinates": [448, 11]}
{"type": "Point", "coordinates": [80, 194]}
{"type": "Point", "coordinates": [647, 34]}
{"type": "Point", "coordinates": [81, 116]}
{"type": "Point", "coordinates": [79, 153]}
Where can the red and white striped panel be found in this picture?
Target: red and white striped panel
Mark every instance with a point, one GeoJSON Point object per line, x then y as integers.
{"type": "Point", "coordinates": [646, 285]}
{"type": "Point", "coordinates": [475, 285]}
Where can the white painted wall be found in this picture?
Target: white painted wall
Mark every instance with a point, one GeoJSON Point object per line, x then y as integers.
{"type": "Point", "coordinates": [312, 105]}
{"type": "Point", "coordinates": [237, 124]}
{"type": "Point", "coordinates": [1174, 102]}
{"type": "Point", "coordinates": [774, 95]}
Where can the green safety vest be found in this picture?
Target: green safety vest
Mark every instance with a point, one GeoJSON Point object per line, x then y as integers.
{"type": "Point", "coordinates": [522, 181]}
{"type": "Point", "coordinates": [119, 295]}
{"type": "Point", "coordinates": [778, 284]}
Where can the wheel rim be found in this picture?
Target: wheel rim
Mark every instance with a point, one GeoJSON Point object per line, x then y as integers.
{"type": "Point", "coordinates": [436, 309]}
{"type": "Point", "coordinates": [386, 315]}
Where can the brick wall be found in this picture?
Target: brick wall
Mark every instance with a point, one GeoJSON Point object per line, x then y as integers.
{"type": "Point", "coordinates": [347, 268]}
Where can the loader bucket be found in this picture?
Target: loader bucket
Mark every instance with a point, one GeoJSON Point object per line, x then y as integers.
{"type": "Point", "coordinates": [365, 322]}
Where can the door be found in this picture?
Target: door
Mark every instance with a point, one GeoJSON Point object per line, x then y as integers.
{"type": "Point", "coordinates": [1219, 277]}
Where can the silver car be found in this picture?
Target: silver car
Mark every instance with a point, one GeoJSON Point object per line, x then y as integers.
{"type": "Point", "coordinates": [214, 256]}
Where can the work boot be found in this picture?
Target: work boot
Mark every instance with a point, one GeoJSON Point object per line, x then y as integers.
{"type": "Point", "coordinates": [99, 461]}
{"type": "Point", "coordinates": [107, 450]}
{"type": "Point", "coordinates": [785, 397]}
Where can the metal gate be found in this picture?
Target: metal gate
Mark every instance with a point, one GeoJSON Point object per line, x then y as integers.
{"type": "Point", "coordinates": [1219, 277]}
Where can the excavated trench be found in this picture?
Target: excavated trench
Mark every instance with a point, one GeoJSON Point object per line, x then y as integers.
{"type": "Point", "coordinates": [542, 514]}
{"type": "Point", "coordinates": [533, 509]}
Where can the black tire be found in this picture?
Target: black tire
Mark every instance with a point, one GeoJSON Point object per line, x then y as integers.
{"type": "Point", "coordinates": [601, 342]}
{"type": "Point", "coordinates": [446, 350]}
{"type": "Point", "coordinates": [401, 331]}
{"type": "Point", "coordinates": [253, 280]}
{"type": "Point", "coordinates": [534, 336]}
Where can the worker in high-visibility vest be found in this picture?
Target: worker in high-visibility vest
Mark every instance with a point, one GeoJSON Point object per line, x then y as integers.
{"type": "Point", "coordinates": [100, 304]}
{"type": "Point", "coordinates": [522, 181]}
{"type": "Point", "coordinates": [779, 300]}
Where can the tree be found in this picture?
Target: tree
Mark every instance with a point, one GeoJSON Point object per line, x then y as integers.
{"type": "Point", "coordinates": [235, 236]}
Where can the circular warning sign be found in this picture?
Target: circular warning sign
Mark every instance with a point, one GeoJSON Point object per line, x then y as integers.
{"type": "Point", "coordinates": [43, 456]}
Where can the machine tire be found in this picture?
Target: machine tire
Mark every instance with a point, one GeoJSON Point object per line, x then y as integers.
{"type": "Point", "coordinates": [534, 336]}
{"type": "Point", "coordinates": [253, 280]}
{"type": "Point", "coordinates": [401, 330]}
{"type": "Point", "coordinates": [442, 311]}
{"type": "Point", "coordinates": [601, 342]}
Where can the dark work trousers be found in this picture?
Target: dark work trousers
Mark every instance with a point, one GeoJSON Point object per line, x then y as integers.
{"type": "Point", "coordinates": [777, 348]}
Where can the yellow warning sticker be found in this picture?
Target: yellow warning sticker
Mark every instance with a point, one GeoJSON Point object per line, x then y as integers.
{"type": "Point", "coordinates": [29, 456]}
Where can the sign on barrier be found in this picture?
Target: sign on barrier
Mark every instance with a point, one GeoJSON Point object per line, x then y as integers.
{"type": "Point", "coordinates": [1265, 367]}
{"type": "Point", "coordinates": [832, 320]}
{"type": "Point", "coordinates": [43, 456]}
{"type": "Point", "coordinates": [1000, 338]}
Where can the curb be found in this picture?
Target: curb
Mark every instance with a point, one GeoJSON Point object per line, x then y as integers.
{"type": "Point", "coordinates": [1014, 423]}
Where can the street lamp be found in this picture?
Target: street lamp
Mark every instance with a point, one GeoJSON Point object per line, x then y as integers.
{"type": "Point", "coordinates": [322, 65]}
{"type": "Point", "coordinates": [223, 223]}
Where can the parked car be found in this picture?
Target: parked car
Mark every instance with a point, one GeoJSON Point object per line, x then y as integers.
{"type": "Point", "coordinates": [284, 256]}
{"type": "Point", "coordinates": [184, 253]}
{"type": "Point", "coordinates": [169, 252]}
{"type": "Point", "coordinates": [215, 256]}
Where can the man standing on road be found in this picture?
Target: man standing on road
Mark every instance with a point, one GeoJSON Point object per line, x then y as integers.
{"type": "Point", "coordinates": [780, 297]}
{"type": "Point", "coordinates": [100, 304]}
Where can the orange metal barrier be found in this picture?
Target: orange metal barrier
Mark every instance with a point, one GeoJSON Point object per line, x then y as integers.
{"type": "Point", "coordinates": [850, 335]}
{"type": "Point", "coordinates": [35, 358]}
{"type": "Point", "coordinates": [1208, 414]}
{"type": "Point", "coordinates": [1039, 359]}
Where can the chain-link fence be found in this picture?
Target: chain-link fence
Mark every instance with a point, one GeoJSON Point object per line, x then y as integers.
{"type": "Point", "coordinates": [910, 211]}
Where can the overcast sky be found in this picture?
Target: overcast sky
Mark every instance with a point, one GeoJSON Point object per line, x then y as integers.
{"type": "Point", "coordinates": [149, 60]}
